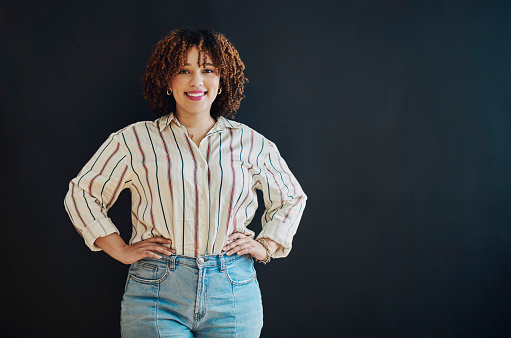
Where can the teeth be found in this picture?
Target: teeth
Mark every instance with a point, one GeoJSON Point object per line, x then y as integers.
{"type": "Point", "coordinates": [195, 95]}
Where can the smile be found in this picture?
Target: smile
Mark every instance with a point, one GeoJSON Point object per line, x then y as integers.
{"type": "Point", "coordinates": [195, 95]}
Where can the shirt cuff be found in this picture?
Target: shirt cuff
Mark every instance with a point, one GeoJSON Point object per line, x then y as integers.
{"type": "Point", "coordinates": [101, 227]}
{"type": "Point", "coordinates": [281, 234]}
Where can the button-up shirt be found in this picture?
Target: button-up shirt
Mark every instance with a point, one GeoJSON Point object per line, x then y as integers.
{"type": "Point", "coordinates": [195, 196]}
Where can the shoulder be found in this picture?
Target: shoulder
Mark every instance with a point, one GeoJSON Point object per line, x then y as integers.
{"type": "Point", "coordinates": [241, 128]}
{"type": "Point", "coordinates": [138, 135]}
{"type": "Point", "coordinates": [140, 128]}
{"type": "Point", "coordinates": [251, 137]}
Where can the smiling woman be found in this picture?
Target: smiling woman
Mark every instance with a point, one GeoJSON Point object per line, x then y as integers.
{"type": "Point", "coordinates": [170, 56]}
{"type": "Point", "coordinates": [195, 88]}
{"type": "Point", "coordinates": [193, 176]}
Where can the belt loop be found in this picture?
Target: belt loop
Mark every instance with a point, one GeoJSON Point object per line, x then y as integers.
{"type": "Point", "coordinates": [172, 263]}
{"type": "Point", "coordinates": [222, 262]}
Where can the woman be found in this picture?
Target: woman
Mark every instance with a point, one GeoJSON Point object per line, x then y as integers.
{"type": "Point", "coordinates": [193, 176]}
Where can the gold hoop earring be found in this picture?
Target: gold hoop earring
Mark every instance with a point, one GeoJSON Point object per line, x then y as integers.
{"type": "Point", "coordinates": [220, 91]}
{"type": "Point", "coordinates": [168, 92]}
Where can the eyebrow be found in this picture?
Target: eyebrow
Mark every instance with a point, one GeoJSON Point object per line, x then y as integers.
{"type": "Point", "coordinates": [207, 64]}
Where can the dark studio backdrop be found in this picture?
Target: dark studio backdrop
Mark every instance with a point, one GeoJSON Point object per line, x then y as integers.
{"type": "Point", "coordinates": [395, 116]}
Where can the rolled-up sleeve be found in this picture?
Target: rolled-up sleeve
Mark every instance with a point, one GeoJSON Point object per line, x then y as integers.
{"type": "Point", "coordinates": [95, 190]}
{"type": "Point", "coordinates": [284, 201]}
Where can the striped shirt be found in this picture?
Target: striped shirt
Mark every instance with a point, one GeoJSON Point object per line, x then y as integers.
{"type": "Point", "coordinates": [195, 196]}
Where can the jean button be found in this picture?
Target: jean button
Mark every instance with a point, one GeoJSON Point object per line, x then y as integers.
{"type": "Point", "coordinates": [200, 260]}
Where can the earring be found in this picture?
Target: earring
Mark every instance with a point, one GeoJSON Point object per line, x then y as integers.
{"type": "Point", "coordinates": [220, 91]}
{"type": "Point", "coordinates": [168, 92]}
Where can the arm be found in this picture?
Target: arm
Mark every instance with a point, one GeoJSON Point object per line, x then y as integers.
{"type": "Point", "coordinates": [90, 196]}
{"type": "Point", "coordinates": [114, 245]}
{"type": "Point", "coordinates": [94, 191]}
{"type": "Point", "coordinates": [284, 201]}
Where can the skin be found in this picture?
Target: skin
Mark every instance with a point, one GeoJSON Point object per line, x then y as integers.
{"type": "Point", "coordinates": [195, 115]}
{"type": "Point", "coordinates": [114, 246]}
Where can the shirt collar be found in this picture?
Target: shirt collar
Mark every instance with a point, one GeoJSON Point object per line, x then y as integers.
{"type": "Point", "coordinates": [221, 124]}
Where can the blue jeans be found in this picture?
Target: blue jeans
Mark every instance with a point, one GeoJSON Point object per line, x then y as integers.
{"type": "Point", "coordinates": [179, 296]}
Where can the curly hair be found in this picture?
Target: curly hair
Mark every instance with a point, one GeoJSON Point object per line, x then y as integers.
{"type": "Point", "coordinates": [170, 55]}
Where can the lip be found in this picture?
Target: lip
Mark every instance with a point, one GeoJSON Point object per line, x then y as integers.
{"type": "Point", "coordinates": [202, 94]}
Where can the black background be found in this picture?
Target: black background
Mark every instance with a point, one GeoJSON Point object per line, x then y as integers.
{"type": "Point", "coordinates": [395, 116]}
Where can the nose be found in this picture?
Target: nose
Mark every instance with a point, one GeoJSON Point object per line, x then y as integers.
{"type": "Point", "coordinates": [197, 79]}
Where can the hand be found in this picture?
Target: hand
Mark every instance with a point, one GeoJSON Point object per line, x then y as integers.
{"type": "Point", "coordinates": [114, 245]}
{"type": "Point", "coordinates": [243, 244]}
{"type": "Point", "coordinates": [135, 252]}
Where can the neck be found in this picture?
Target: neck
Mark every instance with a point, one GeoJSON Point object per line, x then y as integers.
{"type": "Point", "coordinates": [195, 121]}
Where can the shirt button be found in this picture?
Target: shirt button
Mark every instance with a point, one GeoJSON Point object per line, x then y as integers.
{"type": "Point", "coordinates": [200, 260]}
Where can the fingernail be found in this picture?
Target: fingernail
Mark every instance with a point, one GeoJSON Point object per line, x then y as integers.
{"type": "Point", "coordinates": [158, 256]}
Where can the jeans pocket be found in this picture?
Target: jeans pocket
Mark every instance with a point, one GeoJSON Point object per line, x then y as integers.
{"type": "Point", "coordinates": [148, 272]}
{"type": "Point", "coordinates": [241, 271]}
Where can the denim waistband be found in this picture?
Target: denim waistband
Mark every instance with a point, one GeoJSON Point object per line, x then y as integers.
{"type": "Point", "coordinates": [203, 261]}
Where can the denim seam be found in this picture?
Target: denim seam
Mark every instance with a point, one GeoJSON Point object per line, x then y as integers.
{"type": "Point", "coordinates": [198, 300]}
{"type": "Point", "coordinates": [204, 292]}
{"type": "Point", "coordinates": [147, 266]}
{"type": "Point", "coordinates": [150, 281]}
{"type": "Point", "coordinates": [234, 307]}
{"type": "Point", "coordinates": [233, 282]}
{"type": "Point", "coordinates": [156, 305]}
{"type": "Point", "coordinates": [222, 263]}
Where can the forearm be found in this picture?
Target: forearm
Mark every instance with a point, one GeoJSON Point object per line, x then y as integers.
{"type": "Point", "coordinates": [113, 245]}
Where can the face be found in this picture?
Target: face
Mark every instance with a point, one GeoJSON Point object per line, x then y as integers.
{"type": "Point", "coordinates": [195, 87]}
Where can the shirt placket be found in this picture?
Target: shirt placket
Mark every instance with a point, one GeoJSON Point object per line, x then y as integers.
{"type": "Point", "coordinates": [201, 175]}
{"type": "Point", "coordinates": [203, 194]}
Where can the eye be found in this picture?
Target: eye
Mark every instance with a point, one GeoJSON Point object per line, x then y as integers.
{"type": "Point", "coordinates": [183, 71]}
{"type": "Point", "coordinates": [209, 71]}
